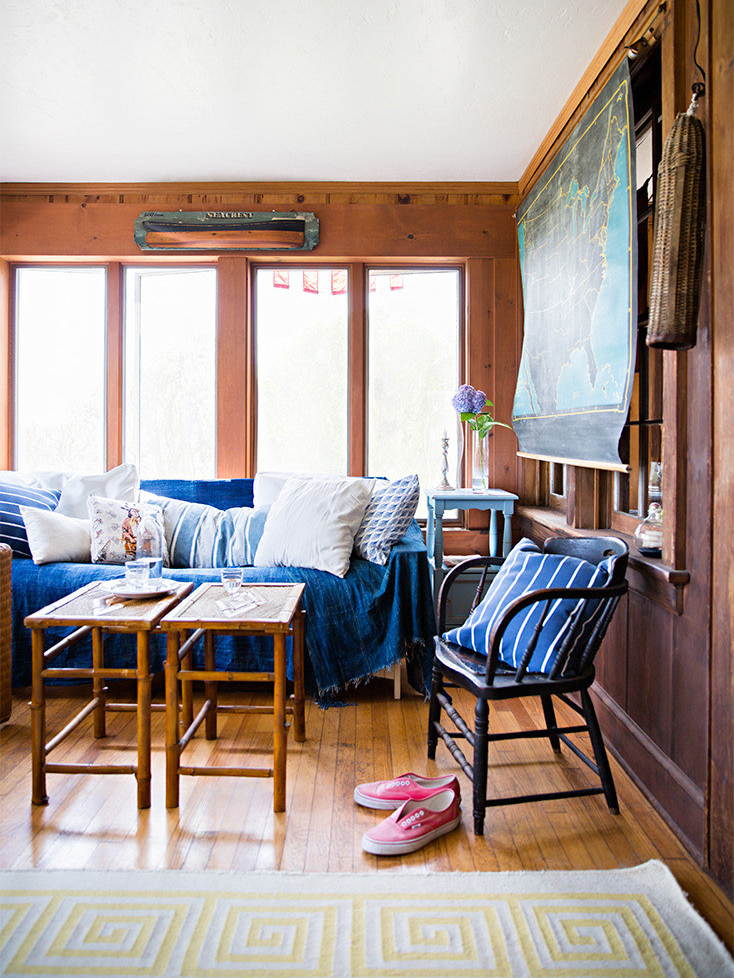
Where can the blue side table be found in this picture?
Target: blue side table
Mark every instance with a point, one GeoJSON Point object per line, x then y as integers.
{"type": "Point", "coordinates": [440, 500]}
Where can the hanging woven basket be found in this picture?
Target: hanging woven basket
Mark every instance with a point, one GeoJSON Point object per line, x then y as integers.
{"type": "Point", "coordinates": [680, 220]}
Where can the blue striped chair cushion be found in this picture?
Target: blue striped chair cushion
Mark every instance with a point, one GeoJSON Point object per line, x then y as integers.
{"type": "Point", "coordinates": [13, 495]}
{"type": "Point", "coordinates": [386, 519]}
{"type": "Point", "coordinates": [198, 535]}
{"type": "Point", "coordinates": [528, 569]}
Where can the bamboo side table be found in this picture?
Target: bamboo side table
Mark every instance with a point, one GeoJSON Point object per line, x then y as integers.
{"type": "Point", "coordinates": [90, 609]}
{"type": "Point", "coordinates": [277, 613]}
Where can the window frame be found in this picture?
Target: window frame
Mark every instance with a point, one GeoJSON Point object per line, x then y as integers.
{"type": "Point", "coordinates": [13, 268]}
{"type": "Point", "coordinates": [236, 380]}
{"type": "Point", "coordinates": [358, 358]}
{"type": "Point", "coordinates": [649, 365]}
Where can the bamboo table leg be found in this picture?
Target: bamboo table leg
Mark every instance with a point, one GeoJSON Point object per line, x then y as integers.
{"type": "Point", "coordinates": [38, 720]}
{"type": "Point", "coordinates": [144, 700]}
{"type": "Point", "coordinates": [172, 721]}
{"type": "Point", "coordinates": [99, 690]}
{"type": "Point", "coordinates": [210, 688]}
{"type": "Point", "coordinates": [187, 690]}
{"type": "Point", "coordinates": [280, 731]}
{"type": "Point", "coordinates": [299, 693]}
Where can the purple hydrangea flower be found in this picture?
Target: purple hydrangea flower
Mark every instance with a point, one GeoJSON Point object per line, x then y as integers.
{"type": "Point", "coordinates": [480, 400]}
{"type": "Point", "coordinates": [464, 399]}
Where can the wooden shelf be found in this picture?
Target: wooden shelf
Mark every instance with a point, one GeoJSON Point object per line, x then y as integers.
{"type": "Point", "coordinates": [649, 577]}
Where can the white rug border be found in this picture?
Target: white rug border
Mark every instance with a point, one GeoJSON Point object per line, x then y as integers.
{"type": "Point", "coordinates": [652, 879]}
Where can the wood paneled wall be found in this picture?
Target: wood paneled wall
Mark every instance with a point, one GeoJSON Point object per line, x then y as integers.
{"type": "Point", "coordinates": [356, 220]}
{"type": "Point", "coordinates": [720, 787]}
{"type": "Point", "coordinates": [469, 224]}
{"type": "Point", "coordinates": [664, 678]}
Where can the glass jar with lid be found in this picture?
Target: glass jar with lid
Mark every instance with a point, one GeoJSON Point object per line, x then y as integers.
{"type": "Point", "coordinates": [649, 534]}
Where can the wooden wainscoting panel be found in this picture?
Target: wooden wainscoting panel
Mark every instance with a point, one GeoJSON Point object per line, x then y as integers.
{"type": "Point", "coordinates": [649, 670]}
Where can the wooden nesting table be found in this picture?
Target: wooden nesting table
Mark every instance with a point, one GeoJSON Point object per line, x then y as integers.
{"type": "Point", "coordinates": [90, 610]}
{"type": "Point", "coordinates": [257, 609]}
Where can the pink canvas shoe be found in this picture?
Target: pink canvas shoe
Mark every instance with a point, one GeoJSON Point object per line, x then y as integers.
{"type": "Point", "coordinates": [414, 825]}
{"type": "Point", "coordinates": [392, 794]}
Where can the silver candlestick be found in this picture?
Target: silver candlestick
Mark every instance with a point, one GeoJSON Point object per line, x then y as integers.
{"type": "Point", "coordinates": [445, 484]}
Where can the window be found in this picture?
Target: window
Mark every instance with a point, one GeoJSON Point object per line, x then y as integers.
{"type": "Point", "coordinates": [641, 442]}
{"type": "Point", "coordinates": [170, 371]}
{"type": "Point", "coordinates": [344, 369]}
{"type": "Point", "coordinates": [59, 368]}
{"type": "Point", "coordinates": [302, 369]}
{"type": "Point", "coordinates": [413, 369]}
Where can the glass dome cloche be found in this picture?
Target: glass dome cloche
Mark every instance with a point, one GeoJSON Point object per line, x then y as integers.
{"type": "Point", "coordinates": [649, 534]}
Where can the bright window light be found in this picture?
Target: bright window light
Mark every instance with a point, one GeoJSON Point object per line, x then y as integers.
{"type": "Point", "coordinates": [413, 342]}
{"type": "Point", "coordinates": [59, 369]}
{"type": "Point", "coordinates": [170, 372]}
{"type": "Point", "coordinates": [302, 343]}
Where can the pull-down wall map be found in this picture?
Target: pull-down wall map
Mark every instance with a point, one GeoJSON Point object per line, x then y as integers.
{"type": "Point", "coordinates": [578, 243]}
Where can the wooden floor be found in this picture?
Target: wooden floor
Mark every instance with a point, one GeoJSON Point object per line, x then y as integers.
{"type": "Point", "coordinates": [228, 823]}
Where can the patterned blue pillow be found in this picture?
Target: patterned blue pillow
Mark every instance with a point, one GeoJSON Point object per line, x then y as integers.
{"type": "Point", "coordinates": [198, 535]}
{"type": "Point", "coordinates": [528, 569]}
{"type": "Point", "coordinates": [386, 519]}
{"type": "Point", "coordinates": [13, 495]}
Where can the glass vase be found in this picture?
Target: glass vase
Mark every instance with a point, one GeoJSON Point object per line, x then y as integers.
{"type": "Point", "coordinates": [480, 479]}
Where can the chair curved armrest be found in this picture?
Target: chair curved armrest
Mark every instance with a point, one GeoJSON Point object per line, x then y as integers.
{"type": "Point", "coordinates": [6, 563]}
{"type": "Point", "coordinates": [453, 575]}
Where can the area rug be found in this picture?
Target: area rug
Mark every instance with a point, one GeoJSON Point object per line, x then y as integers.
{"type": "Point", "coordinates": [607, 924]}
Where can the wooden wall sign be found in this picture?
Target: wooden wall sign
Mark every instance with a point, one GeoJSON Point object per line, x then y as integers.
{"type": "Point", "coordinates": [226, 231]}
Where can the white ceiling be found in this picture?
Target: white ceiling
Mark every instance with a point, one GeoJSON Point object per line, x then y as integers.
{"type": "Point", "coordinates": [196, 90]}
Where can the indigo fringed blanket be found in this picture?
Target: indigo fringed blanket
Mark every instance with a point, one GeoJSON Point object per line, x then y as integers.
{"type": "Point", "coordinates": [355, 626]}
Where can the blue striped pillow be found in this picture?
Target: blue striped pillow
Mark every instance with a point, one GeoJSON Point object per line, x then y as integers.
{"type": "Point", "coordinates": [13, 495]}
{"type": "Point", "coordinates": [198, 535]}
{"type": "Point", "coordinates": [527, 569]}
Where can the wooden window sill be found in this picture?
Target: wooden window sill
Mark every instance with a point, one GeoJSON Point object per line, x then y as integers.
{"type": "Point", "coordinates": [649, 577]}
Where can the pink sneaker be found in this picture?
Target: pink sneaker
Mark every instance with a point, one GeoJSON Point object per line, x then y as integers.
{"type": "Point", "coordinates": [414, 825]}
{"type": "Point", "coordinates": [392, 794]}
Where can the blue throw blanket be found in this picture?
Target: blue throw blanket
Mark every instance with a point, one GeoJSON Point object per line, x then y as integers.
{"type": "Point", "coordinates": [355, 626]}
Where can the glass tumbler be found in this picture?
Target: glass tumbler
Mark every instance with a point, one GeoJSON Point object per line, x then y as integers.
{"type": "Point", "coordinates": [136, 573]}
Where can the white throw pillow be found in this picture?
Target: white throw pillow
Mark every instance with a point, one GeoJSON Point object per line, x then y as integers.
{"type": "Point", "coordinates": [266, 486]}
{"type": "Point", "coordinates": [53, 536]}
{"type": "Point", "coordinates": [312, 524]}
{"type": "Point", "coordinates": [12, 476]}
{"type": "Point", "coordinates": [121, 482]}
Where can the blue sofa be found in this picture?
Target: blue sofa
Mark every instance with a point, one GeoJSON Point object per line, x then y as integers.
{"type": "Point", "coordinates": [355, 626]}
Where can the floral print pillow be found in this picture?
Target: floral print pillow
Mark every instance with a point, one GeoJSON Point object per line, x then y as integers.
{"type": "Point", "coordinates": [114, 522]}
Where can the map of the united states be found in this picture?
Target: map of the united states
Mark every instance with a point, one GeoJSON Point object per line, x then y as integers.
{"type": "Point", "coordinates": [576, 237]}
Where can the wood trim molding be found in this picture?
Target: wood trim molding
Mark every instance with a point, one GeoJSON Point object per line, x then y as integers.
{"type": "Point", "coordinates": [114, 391]}
{"type": "Point", "coordinates": [234, 450]}
{"type": "Point", "coordinates": [6, 364]}
{"type": "Point", "coordinates": [357, 368]}
{"type": "Point", "coordinates": [603, 63]}
{"type": "Point", "coordinates": [652, 579]}
{"type": "Point", "coordinates": [362, 189]}
{"type": "Point", "coordinates": [721, 145]}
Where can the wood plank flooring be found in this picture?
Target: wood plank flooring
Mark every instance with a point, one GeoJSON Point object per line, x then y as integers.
{"type": "Point", "coordinates": [229, 824]}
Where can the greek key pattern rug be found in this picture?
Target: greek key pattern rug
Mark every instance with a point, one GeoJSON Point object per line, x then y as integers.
{"type": "Point", "coordinates": [607, 924]}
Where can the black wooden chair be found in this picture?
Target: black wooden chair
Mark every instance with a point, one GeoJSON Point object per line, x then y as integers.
{"type": "Point", "coordinates": [483, 677]}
